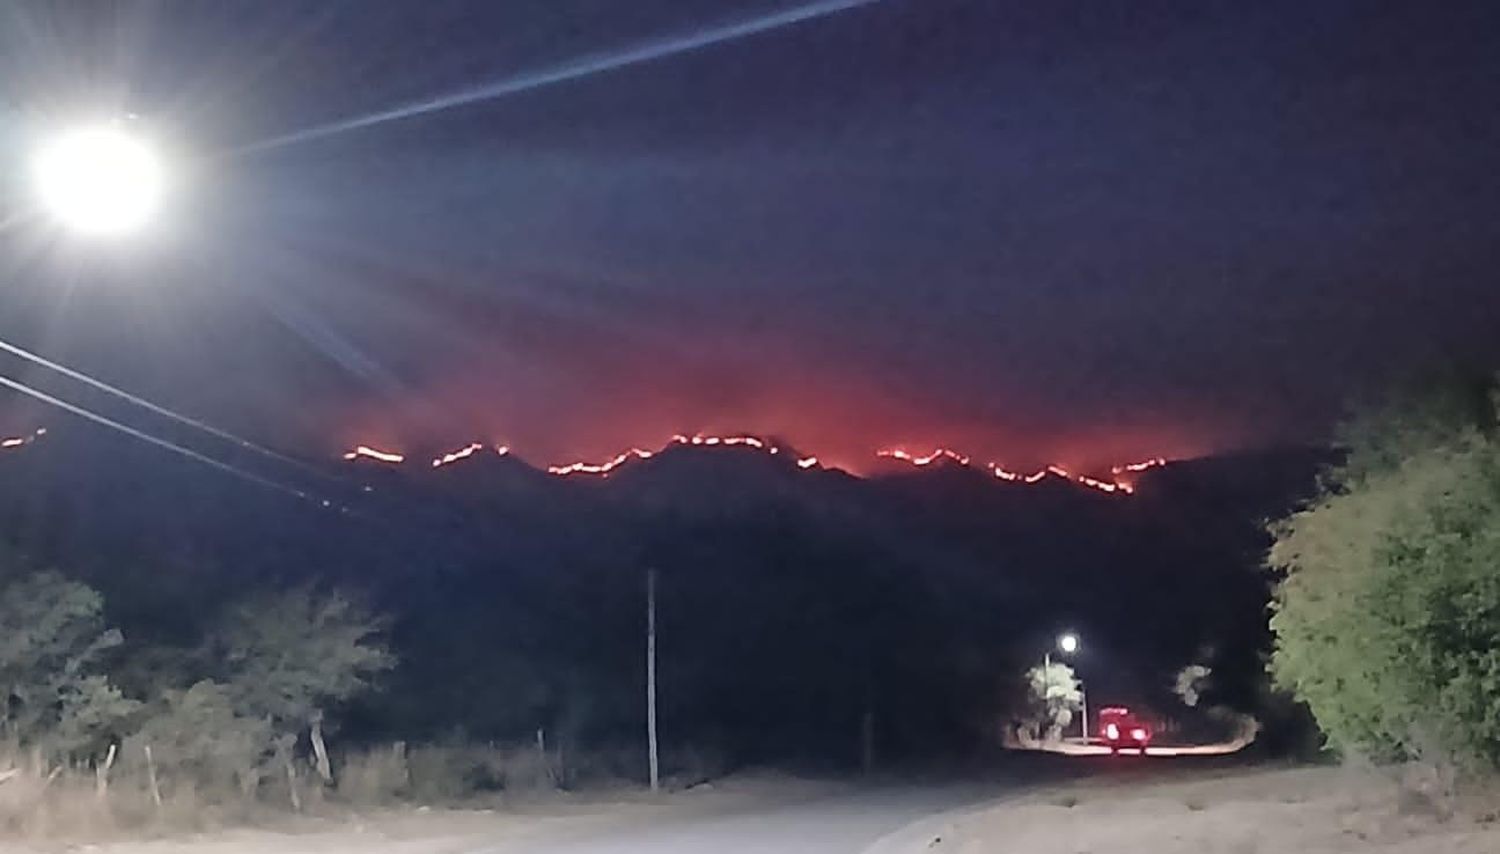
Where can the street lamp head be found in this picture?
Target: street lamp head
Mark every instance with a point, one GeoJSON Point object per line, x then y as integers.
{"type": "Point", "coordinates": [98, 180]}
{"type": "Point", "coordinates": [1068, 643]}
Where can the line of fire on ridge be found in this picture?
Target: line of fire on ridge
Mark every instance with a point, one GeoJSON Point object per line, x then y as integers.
{"type": "Point", "coordinates": [1120, 481]}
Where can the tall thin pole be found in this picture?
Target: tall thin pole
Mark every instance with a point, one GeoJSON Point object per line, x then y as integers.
{"type": "Point", "coordinates": [651, 678]}
{"type": "Point", "coordinates": [1083, 698]}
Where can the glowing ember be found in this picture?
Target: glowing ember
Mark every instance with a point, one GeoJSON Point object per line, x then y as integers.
{"type": "Point", "coordinates": [807, 462]}
{"type": "Point", "coordinates": [455, 456]}
{"type": "Point", "coordinates": [502, 450]}
{"type": "Point", "coordinates": [371, 453]}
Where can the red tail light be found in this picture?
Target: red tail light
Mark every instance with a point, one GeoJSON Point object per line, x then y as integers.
{"type": "Point", "coordinates": [1139, 734]}
{"type": "Point", "coordinates": [1112, 732]}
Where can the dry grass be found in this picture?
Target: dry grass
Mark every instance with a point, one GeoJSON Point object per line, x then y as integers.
{"type": "Point", "coordinates": [1327, 810]}
{"type": "Point", "coordinates": [63, 805]}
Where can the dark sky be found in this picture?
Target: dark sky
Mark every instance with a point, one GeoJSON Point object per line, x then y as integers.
{"type": "Point", "coordinates": [1071, 232]}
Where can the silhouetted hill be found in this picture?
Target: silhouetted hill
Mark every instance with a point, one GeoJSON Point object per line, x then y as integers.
{"type": "Point", "coordinates": [793, 597]}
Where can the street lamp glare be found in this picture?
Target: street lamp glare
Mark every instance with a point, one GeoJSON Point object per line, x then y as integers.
{"type": "Point", "coordinates": [98, 180]}
{"type": "Point", "coordinates": [1068, 643]}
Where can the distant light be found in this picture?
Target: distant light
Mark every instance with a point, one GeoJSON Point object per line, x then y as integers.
{"type": "Point", "coordinates": [99, 180]}
{"type": "Point", "coordinates": [1068, 643]}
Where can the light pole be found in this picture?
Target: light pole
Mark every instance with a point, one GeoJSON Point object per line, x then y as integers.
{"type": "Point", "coordinates": [1069, 644]}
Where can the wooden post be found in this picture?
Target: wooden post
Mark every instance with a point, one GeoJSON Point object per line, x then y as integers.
{"type": "Point", "coordinates": [320, 750]}
{"type": "Point", "coordinates": [291, 785]}
{"type": "Point", "coordinates": [651, 680]}
{"type": "Point", "coordinates": [101, 773]}
{"type": "Point", "coordinates": [151, 778]}
{"type": "Point", "coordinates": [399, 749]}
{"type": "Point", "coordinates": [541, 753]}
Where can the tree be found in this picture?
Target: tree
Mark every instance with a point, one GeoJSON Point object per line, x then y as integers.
{"type": "Point", "coordinates": [197, 735]}
{"type": "Point", "coordinates": [52, 641]}
{"type": "Point", "coordinates": [1053, 695]}
{"type": "Point", "coordinates": [290, 656]}
{"type": "Point", "coordinates": [1192, 682]}
{"type": "Point", "coordinates": [1388, 616]}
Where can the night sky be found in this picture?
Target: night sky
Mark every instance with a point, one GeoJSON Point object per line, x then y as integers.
{"type": "Point", "coordinates": [1039, 232]}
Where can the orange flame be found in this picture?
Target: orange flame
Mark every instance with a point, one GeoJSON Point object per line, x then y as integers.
{"type": "Point", "coordinates": [700, 439]}
{"type": "Point", "coordinates": [1002, 473]}
{"type": "Point", "coordinates": [455, 456]}
{"type": "Point", "coordinates": [937, 454]}
{"type": "Point", "coordinates": [18, 441]}
{"type": "Point", "coordinates": [602, 469]}
{"type": "Point", "coordinates": [1117, 484]}
{"type": "Point", "coordinates": [373, 454]}
{"type": "Point", "coordinates": [1140, 466]}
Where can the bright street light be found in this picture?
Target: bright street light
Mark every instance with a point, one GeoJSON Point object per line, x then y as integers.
{"type": "Point", "coordinates": [98, 180]}
{"type": "Point", "coordinates": [1068, 643]}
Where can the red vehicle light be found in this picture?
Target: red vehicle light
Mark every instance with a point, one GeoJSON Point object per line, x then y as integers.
{"type": "Point", "coordinates": [1112, 732]}
{"type": "Point", "coordinates": [1139, 734]}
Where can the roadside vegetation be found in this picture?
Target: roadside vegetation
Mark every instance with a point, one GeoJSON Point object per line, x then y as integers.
{"type": "Point", "coordinates": [95, 731]}
{"type": "Point", "coordinates": [1387, 617]}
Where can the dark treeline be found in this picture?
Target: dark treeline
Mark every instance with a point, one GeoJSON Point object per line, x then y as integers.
{"type": "Point", "coordinates": [793, 605]}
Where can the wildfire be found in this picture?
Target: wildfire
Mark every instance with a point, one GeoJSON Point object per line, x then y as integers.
{"type": "Point", "coordinates": [1118, 483]}
{"type": "Point", "coordinates": [374, 454]}
{"type": "Point", "coordinates": [18, 441]}
{"type": "Point", "coordinates": [936, 455]}
{"type": "Point", "coordinates": [602, 469]}
{"type": "Point", "coordinates": [1002, 473]}
{"type": "Point", "coordinates": [455, 456]}
{"type": "Point", "coordinates": [749, 441]}
{"type": "Point", "coordinates": [1140, 466]}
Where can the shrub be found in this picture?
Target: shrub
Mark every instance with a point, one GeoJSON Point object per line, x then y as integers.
{"type": "Point", "coordinates": [1388, 618]}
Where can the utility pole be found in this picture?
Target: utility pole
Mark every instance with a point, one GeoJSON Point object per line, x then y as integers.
{"type": "Point", "coordinates": [651, 678]}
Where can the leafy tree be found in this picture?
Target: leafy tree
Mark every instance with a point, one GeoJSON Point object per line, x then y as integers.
{"type": "Point", "coordinates": [1053, 695]}
{"type": "Point", "coordinates": [52, 641]}
{"type": "Point", "coordinates": [289, 656]}
{"type": "Point", "coordinates": [197, 735]}
{"type": "Point", "coordinates": [1388, 617]}
{"type": "Point", "coordinates": [1192, 682]}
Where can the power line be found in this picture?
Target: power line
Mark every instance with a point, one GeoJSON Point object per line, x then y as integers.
{"type": "Point", "coordinates": [157, 408]}
{"type": "Point", "coordinates": [146, 437]}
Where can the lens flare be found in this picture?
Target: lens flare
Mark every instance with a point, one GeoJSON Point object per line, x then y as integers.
{"type": "Point", "coordinates": [583, 67]}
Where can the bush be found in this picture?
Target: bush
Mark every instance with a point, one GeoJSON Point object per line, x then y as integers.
{"type": "Point", "coordinates": [1388, 618]}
